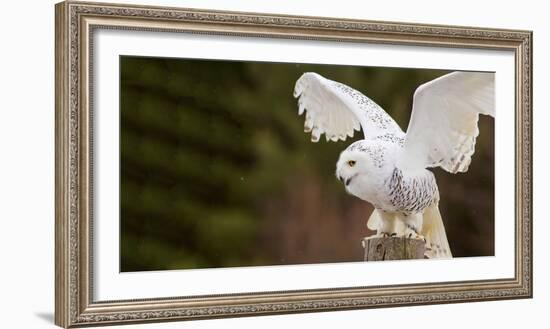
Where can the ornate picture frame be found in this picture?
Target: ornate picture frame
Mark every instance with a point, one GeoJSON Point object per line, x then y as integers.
{"type": "Point", "coordinates": [75, 24]}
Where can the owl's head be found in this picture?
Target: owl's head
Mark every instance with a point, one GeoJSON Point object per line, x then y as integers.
{"type": "Point", "coordinates": [351, 165]}
{"type": "Point", "coordinates": [361, 161]}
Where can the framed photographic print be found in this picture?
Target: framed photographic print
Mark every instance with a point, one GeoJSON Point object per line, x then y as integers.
{"type": "Point", "coordinates": [213, 164]}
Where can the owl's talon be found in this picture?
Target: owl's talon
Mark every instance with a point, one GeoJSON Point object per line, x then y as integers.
{"type": "Point", "coordinates": [381, 235]}
{"type": "Point", "coordinates": [416, 236]}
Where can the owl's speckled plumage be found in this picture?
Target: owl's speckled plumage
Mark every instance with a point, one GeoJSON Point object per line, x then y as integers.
{"type": "Point", "coordinates": [407, 194]}
{"type": "Point", "coordinates": [389, 168]}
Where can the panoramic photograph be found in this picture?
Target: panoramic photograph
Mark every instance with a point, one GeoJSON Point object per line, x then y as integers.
{"type": "Point", "coordinates": [232, 163]}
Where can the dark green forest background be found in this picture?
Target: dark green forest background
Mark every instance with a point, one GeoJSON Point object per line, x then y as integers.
{"type": "Point", "coordinates": [217, 171]}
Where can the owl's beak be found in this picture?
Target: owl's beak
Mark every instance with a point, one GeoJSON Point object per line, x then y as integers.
{"type": "Point", "coordinates": [344, 180]}
{"type": "Point", "coordinates": [348, 181]}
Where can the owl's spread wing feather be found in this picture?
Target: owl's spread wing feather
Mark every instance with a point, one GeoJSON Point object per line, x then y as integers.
{"type": "Point", "coordinates": [443, 126]}
{"type": "Point", "coordinates": [337, 110]}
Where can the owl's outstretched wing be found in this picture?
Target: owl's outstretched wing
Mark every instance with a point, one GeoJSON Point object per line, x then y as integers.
{"type": "Point", "coordinates": [337, 110]}
{"type": "Point", "coordinates": [443, 126]}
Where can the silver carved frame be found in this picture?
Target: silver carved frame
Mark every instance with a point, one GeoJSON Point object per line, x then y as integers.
{"type": "Point", "coordinates": [75, 23]}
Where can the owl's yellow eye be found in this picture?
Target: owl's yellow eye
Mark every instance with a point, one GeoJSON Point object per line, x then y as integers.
{"type": "Point", "coordinates": [351, 163]}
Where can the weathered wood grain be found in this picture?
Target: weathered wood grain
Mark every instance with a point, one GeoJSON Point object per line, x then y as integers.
{"type": "Point", "coordinates": [393, 248]}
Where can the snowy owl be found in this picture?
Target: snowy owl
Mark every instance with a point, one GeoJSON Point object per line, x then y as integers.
{"type": "Point", "coordinates": [388, 168]}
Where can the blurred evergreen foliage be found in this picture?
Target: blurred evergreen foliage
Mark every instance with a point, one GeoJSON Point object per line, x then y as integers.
{"type": "Point", "coordinates": [216, 170]}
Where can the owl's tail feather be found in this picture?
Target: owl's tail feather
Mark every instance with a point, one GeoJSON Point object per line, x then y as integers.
{"type": "Point", "coordinates": [433, 230]}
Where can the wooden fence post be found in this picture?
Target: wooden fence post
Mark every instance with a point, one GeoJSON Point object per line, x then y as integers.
{"type": "Point", "coordinates": [393, 248]}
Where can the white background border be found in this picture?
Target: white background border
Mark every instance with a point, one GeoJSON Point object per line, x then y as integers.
{"type": "Point", "coordinates": [109, 284]}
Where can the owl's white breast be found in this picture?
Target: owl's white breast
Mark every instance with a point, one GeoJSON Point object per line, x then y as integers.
{"type": "Point", "coordinates": [373, 189]}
